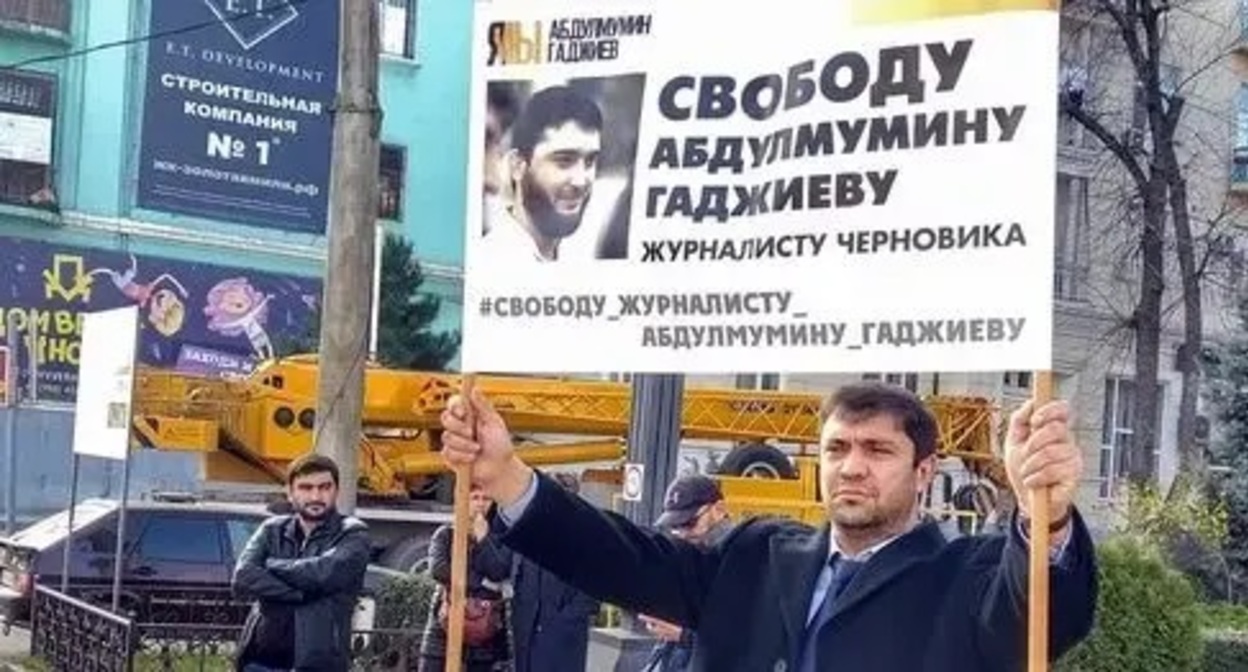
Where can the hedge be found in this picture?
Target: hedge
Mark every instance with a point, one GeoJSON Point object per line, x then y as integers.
{"type": "Point", "coordinates": [1226, 651]}
{"type": "Point", "coordinates": [404, 604]}
{"type": "Point", "coordinates": [1148, 616]}
{"type": "Point", "coordinates": [1222, 616]}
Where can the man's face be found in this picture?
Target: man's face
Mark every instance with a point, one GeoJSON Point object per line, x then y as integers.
{"type": "Point", "coordinates": [868, 476]}
{"type": "Point", "coordinates": [478, 503]}
{"type": "Point", "coordinates": [700, 527]}
{"type": "Point", "coordinates": [558, 179]}
{"type": "Point", "coordinates": [313, 495]}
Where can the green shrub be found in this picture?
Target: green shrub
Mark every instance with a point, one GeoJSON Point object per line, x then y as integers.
{"type": "Point", "coordinates": [1226, 651]}
{"type": "Point", "coordinates": [403, 603]}
{"type": "Point", "coordinates": [1148, 617]}
{"type": "Point", "coordinates": [1224, 616]}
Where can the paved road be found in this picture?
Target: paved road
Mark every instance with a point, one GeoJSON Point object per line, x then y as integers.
{"type": "Point", "coordinates": [14, 645]}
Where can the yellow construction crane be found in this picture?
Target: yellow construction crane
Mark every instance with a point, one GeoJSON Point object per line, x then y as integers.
{"type": "Point", "coordinates": [247, 430]}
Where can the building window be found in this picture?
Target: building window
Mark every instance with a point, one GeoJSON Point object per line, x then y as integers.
{"type": "Point", "coordinates": [390, 182]}
{"type": "Point", "coordinates": [27, 111]}
{"type": "Point", "coordinates": [1117, 433]}
{"type": "Point", "coordinates": [758, 381]}
{"type": "Point", "coordinates": [1073, 79]}
{"type": "Point", "coordinates": [52, 14]}
{"type": "Point", "coordinates": [1239, 166]}
{"type": "Point", "coordinates": [1019, 380]}
{"type": "Point", "coordinates": [1070, 248]}
{"type": "Point", "coordinates": [1169, 76]}
{"type": "Point", "coordinates": [397, 19]}
{"type": "Point", "coordinates": [910, 381]}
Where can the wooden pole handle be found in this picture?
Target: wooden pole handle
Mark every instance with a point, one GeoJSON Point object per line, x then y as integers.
{"type": "Point", "coordinates": [459, 551]}
{"type": "Point", "coordinates": [1038, 581]}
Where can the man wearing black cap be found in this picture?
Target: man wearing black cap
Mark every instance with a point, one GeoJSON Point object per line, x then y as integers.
{"type": "Point", "coordinates": [693, 510]}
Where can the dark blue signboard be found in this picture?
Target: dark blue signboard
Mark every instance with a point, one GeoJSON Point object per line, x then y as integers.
{"type": "Point", "coordinates": [236, 121]}
{"type": "Point", "coordinates": [191, 312]}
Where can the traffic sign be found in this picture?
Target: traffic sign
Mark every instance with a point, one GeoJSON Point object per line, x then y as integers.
{"type": "Point", "coordinates": [634, 476]}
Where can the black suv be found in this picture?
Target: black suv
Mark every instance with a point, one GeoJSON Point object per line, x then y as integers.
{"type": "Point", "coordinates": [176, 553]}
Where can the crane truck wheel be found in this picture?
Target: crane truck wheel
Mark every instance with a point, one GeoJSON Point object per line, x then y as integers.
{"type": "Point", "coordinates": [757, 460]}
{"type": "Point", "coordinates": [409, 555]}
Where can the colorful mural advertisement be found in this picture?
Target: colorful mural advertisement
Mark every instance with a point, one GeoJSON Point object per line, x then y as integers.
{"type": "Point", "coordinates": [196, 317]}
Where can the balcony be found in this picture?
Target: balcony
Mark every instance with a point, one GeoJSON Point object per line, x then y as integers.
{"type": "Point", "coordinates": [39, 16]}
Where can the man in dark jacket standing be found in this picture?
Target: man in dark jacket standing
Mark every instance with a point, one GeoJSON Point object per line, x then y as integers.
{"type": "Point", "coordinates": [875, 588]}
{"type": "Point", "coordinates": [693, 510]}
{"type": "Point", "coordinates": [305, 572]}
{"type": "Point", "coordinates": [550, 620]}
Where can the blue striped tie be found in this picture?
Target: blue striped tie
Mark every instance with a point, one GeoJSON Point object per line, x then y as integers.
{"type": "Point", "coordinates": [843, 572]}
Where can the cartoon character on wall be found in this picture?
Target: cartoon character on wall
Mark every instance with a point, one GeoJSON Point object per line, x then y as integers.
{"type": "Point", "coordinates": [235, 308]}
{"type": "Point", "coordinates": [136, 292]}
{"type": "Point", "coordinates": [165, 311]}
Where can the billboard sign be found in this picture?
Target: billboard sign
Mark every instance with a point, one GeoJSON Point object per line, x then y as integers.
{"type": "Point", "coordinates": [199, 361]}
{"type": "Point", "coordinates": [236, 119]}
{"type": "Point", "coordinates": [702, 187]}
{"type": "Point", "coordinates": [187, 311]}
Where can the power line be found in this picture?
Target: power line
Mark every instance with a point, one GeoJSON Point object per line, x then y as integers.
{"type": "Point", "coordinates": [149, 37]}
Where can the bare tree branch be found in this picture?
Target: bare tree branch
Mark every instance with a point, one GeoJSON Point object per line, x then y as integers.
{"type": "Point", "coordinates": [1116, 146]}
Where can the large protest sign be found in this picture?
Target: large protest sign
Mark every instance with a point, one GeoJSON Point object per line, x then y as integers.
{"type": "Point", "coordinates": [705, 186]}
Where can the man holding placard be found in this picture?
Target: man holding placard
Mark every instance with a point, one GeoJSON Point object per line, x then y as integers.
{"type": "Point", "coordinates": [873, 589]}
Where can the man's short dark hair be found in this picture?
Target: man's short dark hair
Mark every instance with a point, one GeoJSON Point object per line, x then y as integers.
{"type": "Point", "coordinates": [312, 463]}
{"type": "Point", "coordinates": [860, 401]}
{"type": "Point", "coordinates": [549, 108]}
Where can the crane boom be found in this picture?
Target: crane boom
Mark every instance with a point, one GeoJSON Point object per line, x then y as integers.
{"type": "Point", "coordinates": [266, 419]}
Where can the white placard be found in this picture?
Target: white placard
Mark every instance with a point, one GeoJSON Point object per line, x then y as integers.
{"type": "Point", "coordinates": [103, 410]}
{"type": "Point", "coordinates": [25, 138]}
{"type": "Point", "coordinates": [817, 187]}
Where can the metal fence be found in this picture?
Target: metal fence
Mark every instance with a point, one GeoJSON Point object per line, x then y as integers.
{"type": "Point", "coordinates": [72, 635]}
{"type": "Point", "coordinates": [69, 634]}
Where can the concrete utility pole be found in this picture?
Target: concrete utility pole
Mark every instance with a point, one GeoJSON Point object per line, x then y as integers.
{"type": "Point", "coordinates": [654, 440]}
{"type": "Point", "coordinates": [352, 223]}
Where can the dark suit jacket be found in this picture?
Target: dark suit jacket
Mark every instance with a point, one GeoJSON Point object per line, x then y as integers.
{"type": "Point", "coordinates": [550, 622]}
{"type": "Point", "coordinates": [923, 604]}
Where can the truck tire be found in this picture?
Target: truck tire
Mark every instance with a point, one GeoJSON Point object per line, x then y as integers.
{"type": "Point", "coordinates": [409, 555]}
{"type": "Point", "coordinates": [757, 460]}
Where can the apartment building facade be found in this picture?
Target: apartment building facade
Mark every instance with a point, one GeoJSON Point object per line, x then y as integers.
{"type": "Point", "coordinates": [156, 154]}
{"type": "Point", "coordinates": [153, 154]}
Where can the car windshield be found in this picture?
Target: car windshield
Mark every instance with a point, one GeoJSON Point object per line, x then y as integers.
{"type": "Point", "coordinates": [49, 531]}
